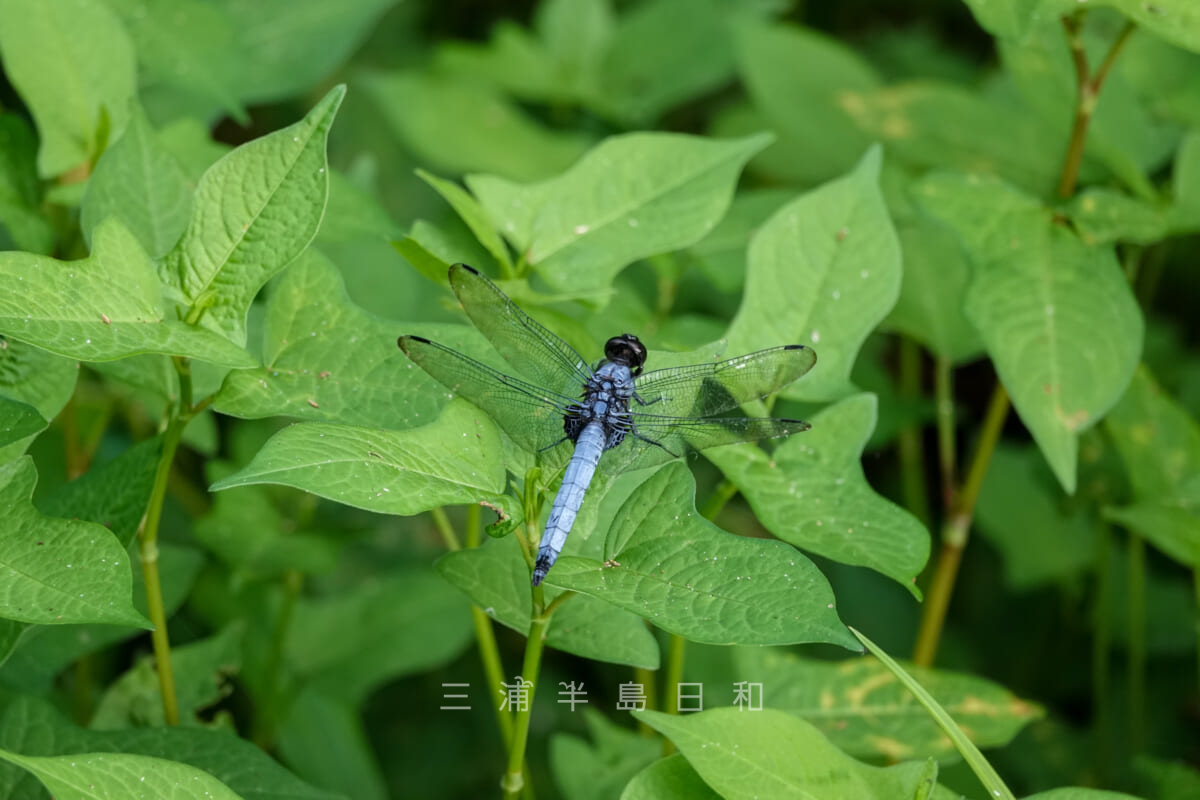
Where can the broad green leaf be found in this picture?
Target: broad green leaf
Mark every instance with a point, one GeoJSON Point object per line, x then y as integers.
{"type": "Point", "coordinates": [1057, 317]}
{"type": "Point", "coordinates": [324, 740]}
{"type": "Point", "coordinates": [1170, 524]}
{"type": "Point", "coordinates": [933, 290]}
{"type": "Point", "coordinates": [245, 530]}
{"type": "Point", "coordinates": [104, 307]}
{"type": "Point", "coordinates": [255, 210]}
{"type": "Point", "coordinates": [326, 359]}
{"type": "Point", "coordinates": [630, 197]}
{"type": "Point", "coordinates": [811, 491]}
{"type": "Point", "coordinates": [20, 190]}
{"type": "Point", "coordinates": [32, 376]}
{"type": "Point", "coordinates": [73, 64]}
{"type": "Point", "coordinates": [824, 271]}
{"type": "Point", "coordinates": [866, 712]}
{"type": "Point", "coordinates": [748, 754]}
{"type": "Point", "coordinates": [1009, 18]}
{"type": "Point", "coordinates": [654, 63]}
{"type": "Point", "coordinates": [353, 211]}
{"type": "Point", "coordinates": [597, 770]}
{"type": "Point", "coordinates": [979, 765]}
{"type": "Point", "coordinates": [18, 422]}
{"type": "Point", "coordinates": [1172, 780]}
{"type": "Point", "coordinates": [458, 126]}
{"type": "Point", "coordinates": [201, 670]}
{"type": "Point", "coordinates": [931, 124]}
{"type": "Point", "coordinates": [1040, 539]}
{"type": "Point", "coordinates": [1103, 216]}
{"type": "Point", "coordinates": [1177, 21]}
{"type": "Point", "coordinates": [666, 563]}
{"type": "Point", "coordinates": [58, 571]}
{"type": "Point", "coordinates": [513, 60]}
{"type": "Point", "coordinates": [576, 35]}
{"type": "Point", "coordinates": [456, 459]}
{"type": "Point", "coordinates": [1157, 439]}
{"type": "Point", "coordinates": [141, 184]}
{"type": "Point", "coordinates": [1079, 793]}
{"type": "Point", "coordinates": [187, 45]}
{"type": "Point", "coordinates": [100, 776]}
{"type": "Point", "coordinates": [1186, 180]}
{"type": "Point", "coordinates": [721, 255]}
{"type": "Point", "coordinates": [496, 578]}
{"type": "Point", "coordinates": [46, 650]}
{"type": "Point", "coordinates": [801, 81]}
{"type": "Point", "coordinates": [34, 727]}
{"type": "Point", "coordinates": [286, 47]}
{"type": "Point", "coordinates": [670, 778]}
{"type": "Point", "coordinates": [469, 210]}
{"type": "Point", "coordinates": [393, 626]}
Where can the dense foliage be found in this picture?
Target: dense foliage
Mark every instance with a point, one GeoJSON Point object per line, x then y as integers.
{"type": "Point", "coordinates": [242, 547]}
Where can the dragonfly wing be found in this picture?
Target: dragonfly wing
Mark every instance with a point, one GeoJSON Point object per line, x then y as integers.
{"type": "Point", "coordinates": [524, 342]}
{"type": "Point", "coordinates": [531, 416]}
{"type": "Point", "coordinates": [656, 439]}
{"type": "Point", "coordinates": [704, 390]}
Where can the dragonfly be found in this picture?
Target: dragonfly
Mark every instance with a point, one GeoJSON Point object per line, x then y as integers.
{"type": "Point", "coordinates": [614, 415]}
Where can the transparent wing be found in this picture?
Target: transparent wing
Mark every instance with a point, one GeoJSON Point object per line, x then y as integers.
{"type": "Point", "coordinates": [703, 390]}
{"type": "Point", "coordinates": [525, 343]}
{"type": "Point", "coordinates": [531, 416]}
{"type": "Point", "coordinates": [660, 438]}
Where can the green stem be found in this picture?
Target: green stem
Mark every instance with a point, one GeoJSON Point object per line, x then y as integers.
{"type": "Point", "coordinates": [943, 382]}
{"type": "Point", "coordinates": [956, 531]}
{"type": "Point", "coordinates": [442, 523]}
{"type": "Point", "coordinates": [717, 501]}
{"type": "Point", "coordinates": [909, 443]}
{"type": "Point", "coordinates": [485, 637]}
{"type": "Point", "coordinates": [1102, 646]}
{"type": "Point", "coordinates": [676, 653]}
{"type": "Point", "coordinates": [514, 779]}
{"type": "Point", "coordinates": [148, 551]}
{"type": "Point", "coordinates": [646, 678]}
{"type": "Point", "coordinates": [293, 583]}
{"type": "Point", "coordinates": [1137, 643]}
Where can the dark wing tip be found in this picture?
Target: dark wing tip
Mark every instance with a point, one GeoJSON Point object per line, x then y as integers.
{"type": "Point", "coordinates": [400, 342]}
{"type": "Point", "coordinates": [800, 424]}
{"type": "Point", "coordinates": [467, 267]}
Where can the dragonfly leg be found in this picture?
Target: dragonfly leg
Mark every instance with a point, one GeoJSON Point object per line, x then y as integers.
{"type": "Point", "coordinates": [642, 402]}
{"type": "Point", "coordinates": [648, 440]}
{"type": "Point", "coordinates": [553, 445]}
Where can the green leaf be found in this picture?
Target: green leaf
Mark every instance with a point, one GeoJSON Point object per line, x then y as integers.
{"type": "Point", "coordinates": [1186, 179]}
{"type": "Point", "coordinates": [811, 492]}
{"type": "Point", "coordinates": [201, 670]}
{"type": "Point", "coordinates": [1177, 21]}
{"type": "Point", "coordinates": [325, 741]}
{"type": "Point", "coordinates": [598, 769]}
{"type": "Point", "coordinates": [979, 765]}
{"type": "Point", "coordinates": [141, 184]}
{"type": "Point", "coordinates": [286, 47]}
{"type": "Point", "coordinates": [670, 778]}
{"type": "Point", "coordinates": [390, 627]}
{"type": "Point", "coordinates": [73, 64]}
{"type": "Point", "coordinates": [496, 578]}
{"type": "Point", "coordinates": [800, 79]}
{"type": "Point", "coordinates": [33, 377]}
{"type": "Point", "coordinates": [18, 422]}
{"type": "Point", "coordinates": [1171, 780]}
{"type": "Point", "coordinates": [34, 727]}
{"type": "Point", "coordinates": [721, 255]}
{"type": "Point", "coordinates": [104, 307]}
{"type": "Point", "coordinates": [20, 190]}
{"type": "Point", "coordinates": [1079, 793]}
{"type": "Point", "coordinates": [933, 290]}
{"type": "Point", "coordinates": [468, 208]}
{"type": "Point", "coordinates": [1103, 216]}
{"type": "Point", "coordinates": [866, 712]}
{"type": "Point", "coordinates": [666, 563]}
{"type": "Point", "coordinates": [824, 271]}
{"type": "Point", "coordinates": [1009, 18]}
{"type": "Point", "coordinates": [326, 359]}
{"type": "Point", "coordinates": [46, 650]}
{"type": "Point", "coordinates": [99, 776]}
{"type": "Point", "coordinates": [630, 197]}
{"type": "Point", "coordinates": [1058, 317]}
{"type": "Point", "coordinates": [1157, 439]}
{"type": "Point", "coordinates": [457, 459]}
{"type": "Point", "coordinates": [1172, 525]}
{"type": "Point", "coordinates": [1040, 539]}
{"type": "Point", "coordinates": [255, 210]}
{"type": "Point", "coordinates": [458, 126]}
{"type": "Point", "coordinates": [748, 754]}
{"type": "Point", "coordinates": [187, 46]}
{"type": "Point", "coordinates": [59, 571]}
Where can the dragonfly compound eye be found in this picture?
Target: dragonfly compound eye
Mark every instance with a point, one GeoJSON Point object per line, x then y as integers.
{"type": "Point", "coordinates": [626, 349]}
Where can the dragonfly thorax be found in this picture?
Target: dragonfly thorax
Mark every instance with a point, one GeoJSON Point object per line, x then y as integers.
{"type": "Point", "coordinates": [605, 401]}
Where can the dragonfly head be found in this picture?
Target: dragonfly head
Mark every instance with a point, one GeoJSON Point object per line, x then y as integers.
{"type": "Point", "coordinates": [626, 349]}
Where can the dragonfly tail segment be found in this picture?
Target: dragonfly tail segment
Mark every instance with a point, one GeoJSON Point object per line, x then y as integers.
{"type": "Point", "coordinates": [588, 449]}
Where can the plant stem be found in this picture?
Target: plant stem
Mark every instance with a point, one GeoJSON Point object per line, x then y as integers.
{"type": "Point", "coordinates": [943, 383]}
{"type": "Point", "coordinates": [717, 501]}
{"type": "Point", "coordinates": [646, 678]}
{"type": "Point", "coordinates": [514, 779]}
{"type": "Point", "coordinates": [293, 583]}
{"type": "Point", "coordinates": [148, 551]}
{"type": "Point", "coordinates": [1102, 645]}
{"type": "Point", "coordinates": [909, 443]}
{"type": "Point", "coordinates": [1137, 643]}
{"type": "Point", "coordinates": [956, 530]}
{"type": "Point", "coordinates": [442, 523]}
{"type": "Point", "coordinates": [1088, 87]}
